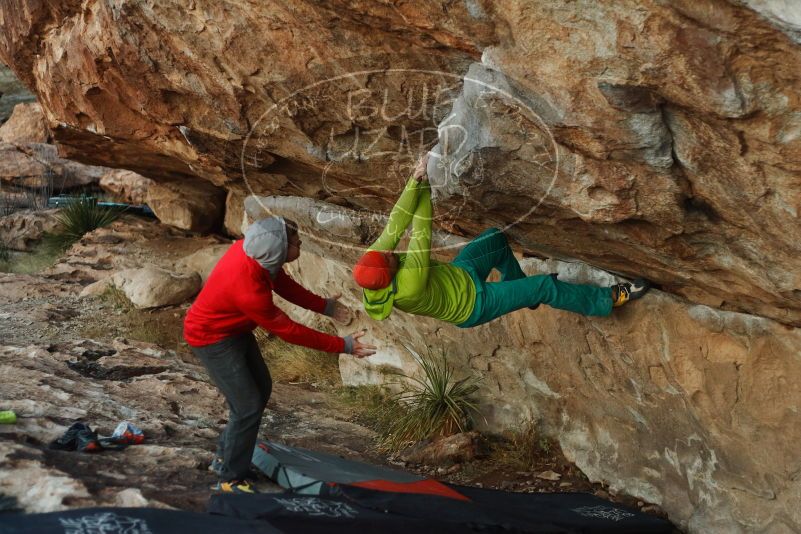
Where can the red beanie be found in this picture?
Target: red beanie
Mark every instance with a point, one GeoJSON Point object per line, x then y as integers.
{"type": "Point", "coordinates": [372, 271]}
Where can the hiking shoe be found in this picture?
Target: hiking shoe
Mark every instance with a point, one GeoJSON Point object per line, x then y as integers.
{"type": "Point", "coordinates": [86, 441]}
{"type": "Point", "coordinates": [235, 486]}
{"type": "Point", "coordinates": [128, 434]}
{"type": "Point", "coordinates": [624, 292]}
{"type": "Point", "coordinates": [79, 437]}
{"type": "Point", "coordinates": [67, 440]}
{"type": "Point", "coordinates": [254, 473]}
{"type": "Point", "coordinates": [216, 465]}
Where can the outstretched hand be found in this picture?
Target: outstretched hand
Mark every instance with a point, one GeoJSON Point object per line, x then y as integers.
{"type": "Point", "coordinates": [361, 350]}
{"type": "Point", "coordinates": [420, 174]}
{"type": "Point", "coordinates": [341, 312]}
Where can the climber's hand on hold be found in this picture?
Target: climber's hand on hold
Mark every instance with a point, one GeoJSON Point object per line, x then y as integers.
{"type": "Point", "coordinates": [420, 173]}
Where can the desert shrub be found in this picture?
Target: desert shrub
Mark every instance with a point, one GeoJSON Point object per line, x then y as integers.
{"type": "Point", "coordinates": [431, 405]}
{"type": "Point", "coordinates": [522, 448]}
{"type": "Point", "coordinates": [82, 215]}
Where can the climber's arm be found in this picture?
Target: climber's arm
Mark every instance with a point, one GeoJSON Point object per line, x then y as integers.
{"type": "Point", "coordinates": [400, 217]}
{"type": "Point", "coordinates": [413, 276]}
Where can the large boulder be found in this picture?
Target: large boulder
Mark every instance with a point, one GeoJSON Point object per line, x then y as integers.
{"type": "Point", "coordinates": [20, 169]}
{"type": "Point", "coordinates": [26, 125]}
{"type": "Point", "coordinates": [126, 186]}
{"type": "Point", "coordinates": [679, 404]}
{"type": "Point", "coordinates": [234, 212]}
{"type": "Point", "coordinates": [194, 206]}
{"type": "Point", "coordinates": [12, 92]}
{"type": "Point", "coordinates": [23, 228]}
{"type": "Point", "coordinates": [670, 150]}
{"type": "Point", "coordinates": [153, 287]}
{"type": "Point", "coordinates": [128, 243]}
{"type": "Point", "coordinates": [38, 166]}
{"type": "Point", "coordinates": [203, 261]}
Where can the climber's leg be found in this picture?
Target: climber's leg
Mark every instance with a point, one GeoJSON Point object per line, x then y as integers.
{"type": "Point", "coordinates": [500, 298]}
{"type": "Point", "coordinates": [487, 251]}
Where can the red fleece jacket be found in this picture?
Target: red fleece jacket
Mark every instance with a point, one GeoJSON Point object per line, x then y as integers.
{"type": "Point", "coordinates": [238, 296]}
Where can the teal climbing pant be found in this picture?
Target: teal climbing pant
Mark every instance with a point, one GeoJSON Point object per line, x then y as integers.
{"type": "Point", "coordinates": [516, 290]}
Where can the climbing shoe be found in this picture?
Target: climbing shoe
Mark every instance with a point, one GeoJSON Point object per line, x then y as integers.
{"type": "Point", "coordinates": [235, 486]}
{"type": "Point", "coordinates": [624, 292]}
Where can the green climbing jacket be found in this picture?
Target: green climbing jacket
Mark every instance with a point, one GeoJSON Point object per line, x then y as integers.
{"type": "Point", "coordinates": [422, 286]}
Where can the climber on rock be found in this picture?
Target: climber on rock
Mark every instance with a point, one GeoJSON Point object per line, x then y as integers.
{"type": "Point", "coordinates": [457, 292]}
{"type": "Point", "coordinates": [219, 328]}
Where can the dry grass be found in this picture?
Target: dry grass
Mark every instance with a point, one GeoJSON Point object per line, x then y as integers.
{"type": "Point", "coordinates": [117, 298]}
{"type": "Point", "coordinates": [521, 450]}
{"type": "Point", "coordinates": [370, 406]}
{"type": "Point", "coordinates": [293, 364]}
{"type": "Point", "coordinates": [162, 327]}
{"type": "Point", "coordinates": [43, 255]}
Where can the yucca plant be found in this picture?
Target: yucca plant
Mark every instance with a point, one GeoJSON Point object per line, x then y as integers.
{"type": "Point", "coordinates": [83, 215]}
{"type": "Point", "coordinates": [432, 405]}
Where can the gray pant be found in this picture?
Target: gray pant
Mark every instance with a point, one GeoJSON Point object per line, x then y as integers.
{"type": "Point", "coordinates": [236, 367]}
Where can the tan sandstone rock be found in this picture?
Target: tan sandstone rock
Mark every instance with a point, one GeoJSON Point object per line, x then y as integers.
{"type": "Point", "coordinates": [203, 261]}
{"type": "Point", "coordinates": [37, 487]}
{"type": "Point", "coordinates": [19, 168]}
{"type": "Point", "coordinates": [235, 213]}
{"type": "Point", "coordinates": [127, 186]}
{"type": "Point", "coordinates": [665, 400]}
{"type": "Point", "coordinates": [153, 287]}
{"type": "Point", "coordinates": [671, 150]}
{"type": "Point", "coordinates": [26, 125]}
{"type": "Point", "coordinates": [38, 165]}
{"type": "Point", "coordinates": [193, 206]}
{"type": "Point", "coordinates": [20, 229]}
{"type": "Point", "coordinates": [103, 384]}
{"type": "Point", "coordinates": [180, 411]}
